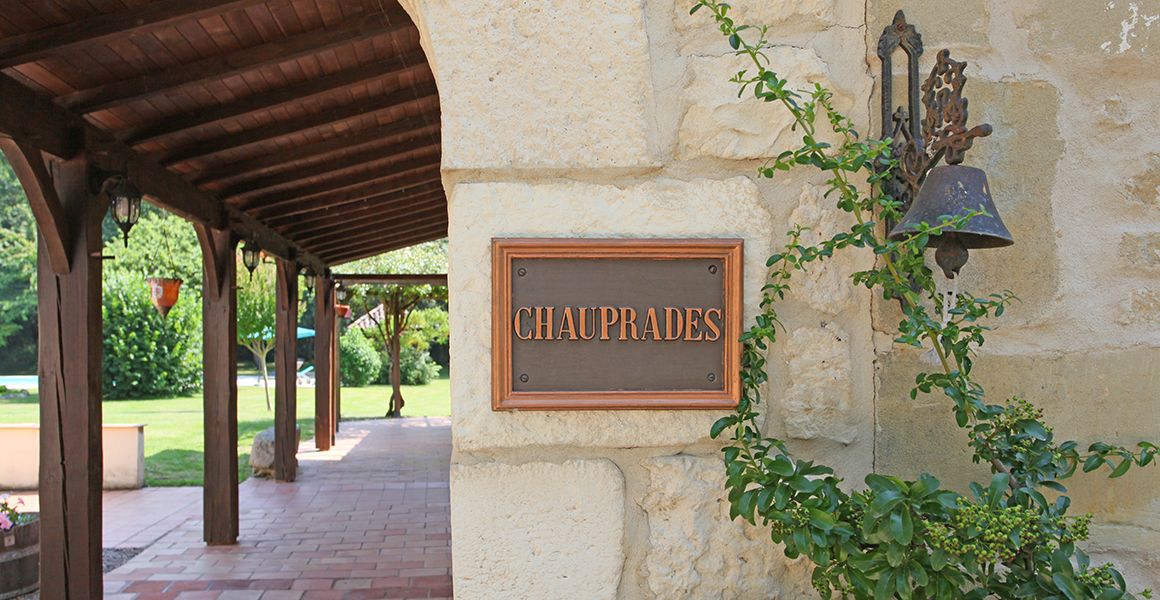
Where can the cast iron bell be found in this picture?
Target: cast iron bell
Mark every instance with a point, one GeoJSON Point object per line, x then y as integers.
{"type": "Point", "coordinates": [949, 191]}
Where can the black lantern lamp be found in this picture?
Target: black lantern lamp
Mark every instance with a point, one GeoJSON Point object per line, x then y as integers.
{"type": "Point", "coordinates": [340, 292]}
{"type": "Point", "coordinates": [930, 194]}
{"type": "Point", "coordinates": [251, 255]}
{"type": "Point", "coordinates": [125, 197]}
{"type": "Point", "coordinates": [308, 277]}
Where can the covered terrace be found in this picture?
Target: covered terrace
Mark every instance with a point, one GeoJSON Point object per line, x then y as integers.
{"type": "Point", "coordinates": [308, 127]}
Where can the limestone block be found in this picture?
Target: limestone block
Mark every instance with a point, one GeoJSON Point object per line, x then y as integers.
{"type": "Point", "coordinates": [262, 451]}
{"type": "Point", "coordinates": [1141, 306]}
{"type": "Point", "coordinates": [826, 286]}
{"type": "Point", "coordinates": [719, 123]}
{"type": "Point", "coordinates": [1141, 249]}
{"type": "Point", "coordinates": [659, 208]}
{"type": "Point", "coordinates": [696, 552]}
{"type": "Point", "coordinates": [537, 530]}
{"type": "Point", "coordinates": [818, 403]}
{"type": "Point", "coordinates": [539, 83]}
{"type": "Point", "coordinates": [1145, 186]}
{"type": "Point", "coordinates": [699, 31]}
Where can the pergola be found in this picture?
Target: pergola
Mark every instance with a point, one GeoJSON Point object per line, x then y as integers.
{"type": "Point", "coordinates": [310, 127]}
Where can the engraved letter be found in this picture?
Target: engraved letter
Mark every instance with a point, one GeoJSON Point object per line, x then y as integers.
{"type": "Point", "coordinates": [584, 323]}
{"type": "Point", "coordinates": [692, 316]}
{"type": "Point", "coordinates": [544, 322]}
{"type": "Point", "coordinates": [516, 322]}
{"type": "Point", "coordinates": [627, 319]}
{"type": "Point", "coordinates": [673, 315]}
{"type": "Point", "coordinates": [567, 324]}
{"type": "Point", "coordinates": [713, 328]}
{"type": "Point", "coordinates": [651, 317]}
{"type": "Point", "coordinates": [608, 317]}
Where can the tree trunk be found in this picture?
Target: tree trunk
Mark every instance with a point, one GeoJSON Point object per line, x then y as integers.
{"type": "Point", "coordinates": [265, 379]}
{"type": "Point", "coordinates": [396, 369]}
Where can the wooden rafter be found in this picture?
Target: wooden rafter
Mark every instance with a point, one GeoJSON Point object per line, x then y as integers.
{"type": "Point", "coordinates": [324, 220]}
{"type": "Point", "coordinates": [397, 97]}
{"type": "Point", "coordinates": [404, 129]}
{"type": "Point", "coordinates": [273, 99]}
{"type": "Point", "coordinates": [43, 43]}
{"type": "Point", "coordinates": [340, 184]}
{"type": "Point", "coordinates": [410, 211]}
{"type": "Point", "coordinates": [355, 237]}
{"type": "Point", "coordinates": [300, 210]}
{"type": "Point", "coordinates": [365, 157]}
{"type": "Point", "coordinates": [28, 118]}
{"type": "Point", "coordinates": [416, 237]}
{"type": "Point", "coordinates": [219, 67]}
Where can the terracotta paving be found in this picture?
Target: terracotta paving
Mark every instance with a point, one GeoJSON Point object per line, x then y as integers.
{"type": "Point", "coordinates": [368, 519]}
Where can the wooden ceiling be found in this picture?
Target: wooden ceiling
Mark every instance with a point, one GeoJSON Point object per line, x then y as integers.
{"type": "Point", "coordinates": [313, 124]}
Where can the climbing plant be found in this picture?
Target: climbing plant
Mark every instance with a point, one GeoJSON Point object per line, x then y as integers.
{"type": "Point", "coordinates": [896, 538]}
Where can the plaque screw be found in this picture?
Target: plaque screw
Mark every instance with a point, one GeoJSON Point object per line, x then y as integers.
{"type": "Point", "coordinates": [522, 272]}
{"type": "Point", "coordinates": [713, 271]}
{"type": "Point", "coordinates": [524, 378]}
{"type": "Point", "coordinates": [712, 377]}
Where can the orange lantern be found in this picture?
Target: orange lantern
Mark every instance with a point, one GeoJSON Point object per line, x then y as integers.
{"type": "Point", "coordinates": [163, 292]}
{"type": "Point", "coordinates": [342, 310]}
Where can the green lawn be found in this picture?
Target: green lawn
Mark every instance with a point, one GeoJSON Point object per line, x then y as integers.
{"type": "Point", "coordinates": [174, 434]}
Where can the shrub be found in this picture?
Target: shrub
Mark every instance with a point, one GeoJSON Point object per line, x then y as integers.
{"type": "Point", "coordinates": [360, 363]}
{"type": "Point", "coordinates": [416, 367]}
{"type": "Point", "coordinates": [145, 355]}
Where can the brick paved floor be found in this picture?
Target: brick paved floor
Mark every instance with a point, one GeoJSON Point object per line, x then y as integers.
{"type": "Point", "coordinates": [368, 519]}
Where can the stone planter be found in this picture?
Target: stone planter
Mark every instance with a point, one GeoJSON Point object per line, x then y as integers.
{"type": "Point", "coordinates": [20, 560]}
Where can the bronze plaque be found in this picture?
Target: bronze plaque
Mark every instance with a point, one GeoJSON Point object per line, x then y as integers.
{"type": "Point", "coordinates": [606, 324]}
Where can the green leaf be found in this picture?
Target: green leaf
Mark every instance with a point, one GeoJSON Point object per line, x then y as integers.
{"type": "Point", "coordinates": [1035, 429]}
{"type": "Point", "coordinates": [822, 519]}
{"type": "Point", "coordinates": [782, 466]}
{"type": "Point", "coordinates": [1123, 468]}
{"type": "Point", "coordinates": [1068, 586]}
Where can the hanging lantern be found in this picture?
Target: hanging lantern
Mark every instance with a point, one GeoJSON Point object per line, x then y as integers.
{"type": "Point", "coordinates": [308, 277]}
{"type": "Point", "coordinates": [340, 292]}
{"type": "Point", "coordinates": [251, 255]}
{"type": "Point", "coordinates": [125, 197]}
{"type": "Point", "coordinates": [163, 292]}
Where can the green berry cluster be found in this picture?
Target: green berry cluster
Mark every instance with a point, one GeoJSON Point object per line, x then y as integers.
{"type": "Point", "coordinates": [1097, 577]}
{"type": "Point", "coordinates": [987, 534]}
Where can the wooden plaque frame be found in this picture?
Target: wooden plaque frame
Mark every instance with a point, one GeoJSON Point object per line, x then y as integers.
{"type": "Point", "coordinates": [505, 250]}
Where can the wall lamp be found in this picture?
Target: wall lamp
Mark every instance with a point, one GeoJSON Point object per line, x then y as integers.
{"type": "Point", "coordinates": [929, 191]}
{"type": "Point", "coordinates": [125, 197]}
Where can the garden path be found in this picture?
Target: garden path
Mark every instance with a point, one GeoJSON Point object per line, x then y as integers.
{"type": "Point", "coordinates": [368, 519]}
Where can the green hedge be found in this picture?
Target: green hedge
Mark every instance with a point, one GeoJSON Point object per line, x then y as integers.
{"type": "Point", "coordinates": [359, 361]}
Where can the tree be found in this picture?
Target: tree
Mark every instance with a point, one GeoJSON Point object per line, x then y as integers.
{"type": "Point", "coordinates": [17, 256]}
{"type": "Point", "coordinates": [256, 299]}
{"type": "Point", "coordinates": [399, 302]}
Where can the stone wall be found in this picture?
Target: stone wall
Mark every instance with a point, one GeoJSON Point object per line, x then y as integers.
{"type": "Point", "coordinates": [616, 119]}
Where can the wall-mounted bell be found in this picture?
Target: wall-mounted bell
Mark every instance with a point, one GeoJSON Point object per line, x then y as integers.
{"type": "Point", "coordinates": [950, 191]}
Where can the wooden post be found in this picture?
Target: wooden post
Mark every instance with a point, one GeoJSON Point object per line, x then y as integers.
{"type": "Point", "coordinates": [286, 371]}
{"type": "Point", "coordinates": [337, 419]}
{"type": "Point", "coordinates": [219, 309]}
{"type": "Point", "coordinates": [323, 356]}
{"type": "Point", "coordinates": [71, 467]}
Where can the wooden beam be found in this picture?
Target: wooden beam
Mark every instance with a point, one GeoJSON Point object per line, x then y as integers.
{"type": "Point", "coordinates": [273, 99]}
{"type": "Point", "coordinates": [376, 233]}
{"type": "Point", "coordinates": [69, 367]}
{"type": "Point", "coordinates": [377, 213]}
{"type": "Point", "coordinates": [31, 119]}
{"type": "Point", "coordinates": [28, 164]}
{"type": "Point", "coordinates": [286, 370]}
{"type": "Point", "coordinates": [219, 309]}
{"type": "Point", "coordinates": [55, 135]}
{"type": "Point", "coordinates": [293, 210]}
{"type": "Point", "coordinates": [423, 279]}
{"type": "Point", "coordinates": [323, 365]}
{"type": "Point", "coordinates": [404, 129]}
{"type": "Point", "coordinates": [358, 232]}
{"type": "Point", "coordinates": [352, 160]}
{"type": "Point", "coordinates": [215, 68]}
{"type": "Point", "coordinates": [43, 43]}
{"type": "Point", "coordinates": [367, 208]}
{"type": "Point", "coordinates": [334, 115]}
{"type": "Point", "coordinates": [382, 246]}
{"type": "Point", "coordinates": [340, 184]}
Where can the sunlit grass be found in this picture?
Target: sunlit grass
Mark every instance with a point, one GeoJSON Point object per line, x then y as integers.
{"type": "Point", "coordinates": [174, 433]}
